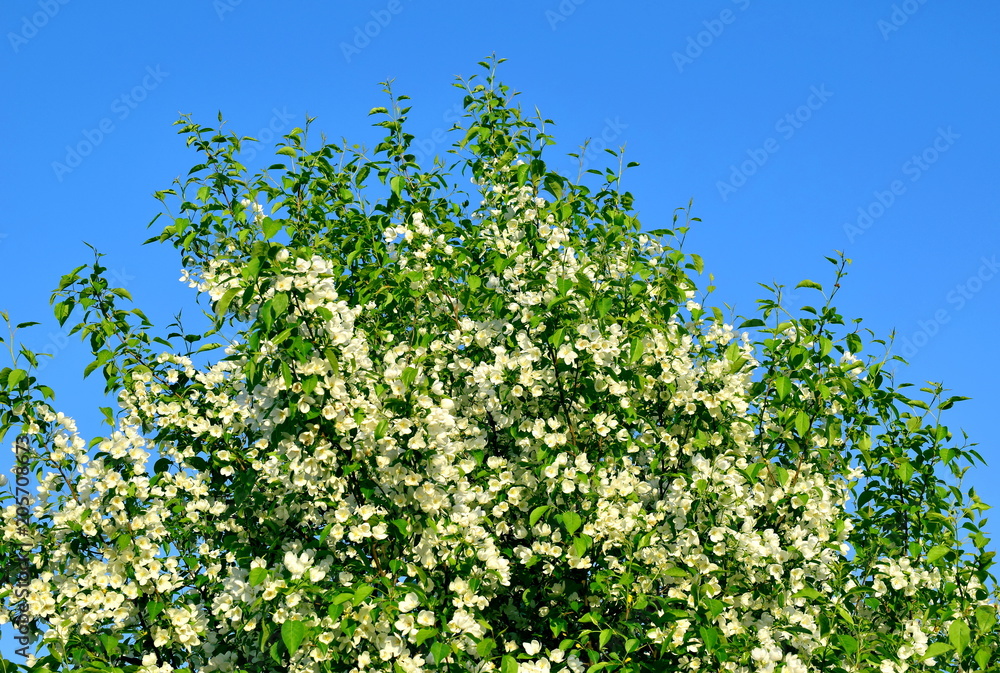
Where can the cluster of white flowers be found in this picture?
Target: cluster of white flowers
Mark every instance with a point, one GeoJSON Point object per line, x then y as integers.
{"type": "Point", "coordinates": [496, 489]}
{"type": "Point", "coordinates": [256, 210]}
{"type": "Point", "coordinates": [902, 576]}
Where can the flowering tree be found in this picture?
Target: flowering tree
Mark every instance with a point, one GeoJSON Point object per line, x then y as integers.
{"type": "Point", "coordinates": [477, 432]}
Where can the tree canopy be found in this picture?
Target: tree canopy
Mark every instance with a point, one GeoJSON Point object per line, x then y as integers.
{"type": "Point", "coordinates": [443, 427]}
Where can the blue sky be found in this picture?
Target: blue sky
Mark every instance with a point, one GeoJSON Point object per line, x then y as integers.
{"type": "Point", "coordinates": [797, 128]}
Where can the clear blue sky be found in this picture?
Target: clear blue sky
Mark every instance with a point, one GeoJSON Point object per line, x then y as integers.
{"type": "Point", "coordinates": [797, 128]}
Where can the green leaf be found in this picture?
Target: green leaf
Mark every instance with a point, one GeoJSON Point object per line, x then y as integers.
{"type": "Point", "coordinates": [507, 665]}
{"type": "Point", "coordinates": [198, 463]}
{"type": "Point", "coordinates": [361, 593]}
{"type": "Point", "coordinates": [67, 280]}
{"type": "Point", "coordinates": [287, 151]}
{"type": "Point", "coordinates": [983, 655]}
{"type": "Point", "coordinates": [986, 617]}
{"type": "Point", "coordinates": [377, 110]}
{"type": "Point", "coordinates": [781, 475]}
{"type": "Point", "coordinates": [557, 337]}
{"type": "Point", "coordinates": [441, 650]}
{"type": "Point", "coordinates": [15, 377]}
{"type": "Point", "coordinates": [409, 376]}
{"type": "Point", "coordinates": [279, 303]}
{"type": "Point", "coordinates": [89, 369]}
{"type": "Point", "coordinates": [424, 634]}
{"type": "Point", "coordinates": [309, 384]}
{"type": "Point", "coordinates": [153, 608]}
{"type": "Point", "coordinates": [331, 357]}
{"type": "Point", "coordinates": [605, 637]}
{"type": "Point", "coordinates": [853, 342]}
{"type": "Point", "coordinates": [710, 637]}
{"type": "Point", "coordinates": [802, 423]}
{"type": "Point", "coordinates": [522, 173]}
{"type": "Point", "coordinates": [292, 633]}
{"type": "Point", "coordinates": [635, 350]}
{"type": "Point", "coordinates": [396, 184]}
{"type": "Point", "coordinates": [959, 635]}
{"type": "Point", "coordinates": [603, 306]}
{"type": "Point", "coordinates": [572, 521]}
{"type": "Point", "coordinates": [808, 592]}
{"type": "Point", "coordinates": [225, 301]}
{"type": "Point", "coordinates": [950, 402]}
{"type": "Point", "coordinates": [485, 647]}
{"type": "Point", "coordinates": [849, 643]}
{"type": "Point", "coordinates": [271, 227]}
{"type": "Point", "coordinates": [783, 386]}
{"type": "Point", "coordinates": [265, 634]}
{"type": "Point", "coordinates": [257, 576]}
{"type": "Point", "coordinates": [537, 513]}
{"type": "Point", "coordinates": [110, 643]}
{"type": "Point", "coordinates": [715, 607]}
{"type": "Point", "coordinates": [810, 284]}
{"type": "Point", "coordinates": [934, 649]}
{"type": "Point", "coordinates": [905, 472]}
{"type": "Point", "coordinates": [553, 183]}
{"type": "Point", "coordinates": [62, 311]}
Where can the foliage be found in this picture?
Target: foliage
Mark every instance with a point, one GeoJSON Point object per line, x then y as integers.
{"type": "Point", "coordinates": [486, 431]}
